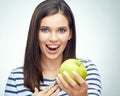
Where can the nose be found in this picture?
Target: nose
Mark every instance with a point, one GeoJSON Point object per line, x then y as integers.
{"type": "Point", "coordinates": [53, 37]}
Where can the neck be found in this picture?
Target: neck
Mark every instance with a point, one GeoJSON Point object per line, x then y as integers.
{"type": "Point", "coordinates": [51, 65]}
{"type": "Point", "coordinates": [50, 68]}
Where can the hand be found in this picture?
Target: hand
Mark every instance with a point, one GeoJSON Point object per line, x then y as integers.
{"type": "Point", "coordinates": [51, 90]}
{"type": "Point", "coordinates": [72, 88]}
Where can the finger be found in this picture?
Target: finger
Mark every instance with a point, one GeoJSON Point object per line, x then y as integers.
{"type": "Point", "coordinates": [56, 92]}
{"type": "Point", "coordinates": [48, 88]}
{"type": "Point", "coordinates": [52, 90]}
{"type": "Point", "coordinates": [62, 83]}
{"type": "Point", "coordinates": [71, 81]}
{"type": "Point", "coordinates": [35, 92]}
{"type": "Point", "coordinates": [83, 84]}
{"type": "Point", "coordinates": [80, 80]}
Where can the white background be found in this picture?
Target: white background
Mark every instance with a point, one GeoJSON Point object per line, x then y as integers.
{"type": "Point", "coordinates": [98, 32]}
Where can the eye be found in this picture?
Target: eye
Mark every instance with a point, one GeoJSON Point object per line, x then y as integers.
{"type": "Point", "coordinates": [45, 29]}
{"type": "Point", "coordinates": [62, 30]}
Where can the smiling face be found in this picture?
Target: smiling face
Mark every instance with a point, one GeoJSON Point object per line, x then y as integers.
{"type": "Point", "coordinates": [54, 34]}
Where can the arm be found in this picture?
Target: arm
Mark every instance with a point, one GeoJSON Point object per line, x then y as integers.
{"type": "Point", "coordinates": [89, 87]}
{"type": "Point", "coordinates": [10, 89]}
{"type": "Point", "coordinates": [93, 79]}
{"type": "Point", "coordinates": [15, 84]}
{"type": "Point", "coordinates": [51, 90]}
{"type": "Point", "coordinates": [71, 87]}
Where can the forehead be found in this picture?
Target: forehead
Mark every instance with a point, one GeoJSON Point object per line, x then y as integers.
{"type": "Point", "coordinates": [55, 20]}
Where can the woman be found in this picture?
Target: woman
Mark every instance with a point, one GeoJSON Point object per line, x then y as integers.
{"type": "Point", "coordinates": [51, 40]}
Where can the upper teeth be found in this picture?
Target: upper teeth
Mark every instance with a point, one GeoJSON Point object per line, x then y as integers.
{"type": "Point", "coordinates": [53, 46]}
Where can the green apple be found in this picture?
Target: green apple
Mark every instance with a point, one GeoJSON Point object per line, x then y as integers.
{"type": "Point", "coordinates": [71, 65]}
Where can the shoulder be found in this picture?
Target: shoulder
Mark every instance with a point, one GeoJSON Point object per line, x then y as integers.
{"type": "Point", "coordinates": [88, 64]}
{"type": "Point", "coordinates": [17, 72]}
{"type": "Point", "coordinates": [15, 77]}
{"type": "Point", "coordinates": [15, 84]}
{"type": "Point", "coordinates": [93, 77]}
{"type": "Point", "coordinates": [92, 70]}
{"type": "Point", "coordinates": [18, 69]}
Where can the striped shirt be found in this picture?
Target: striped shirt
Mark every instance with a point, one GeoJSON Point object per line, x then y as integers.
{"type": "Point", "coordinates": [15, 83]}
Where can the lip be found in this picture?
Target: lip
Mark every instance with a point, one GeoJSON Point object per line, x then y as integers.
{"type": "Point", "coordinates": [52, 48]}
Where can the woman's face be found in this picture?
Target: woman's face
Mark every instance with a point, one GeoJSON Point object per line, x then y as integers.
{"type": "Point", "coordinates": [54, 34]}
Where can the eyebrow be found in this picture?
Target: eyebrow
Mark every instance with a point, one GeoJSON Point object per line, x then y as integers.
{"type": "Point", "coordinates": [44, 26]}
{"type": "Point", "coordinates": [50, 27]}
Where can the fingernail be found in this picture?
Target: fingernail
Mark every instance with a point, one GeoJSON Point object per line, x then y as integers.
{"type": "Point", "coordinates": [55, 82]}
{"type": "Point", "coordinates": [65, 73]}
{"type": "Point", "coordinates": [35, 88]}
{"type": "Point", "coordinates": [74, 72]}
{"type": "Point", "coordinates": [58, 76]}
{"type": "Point", "coordinates": [58, 89]}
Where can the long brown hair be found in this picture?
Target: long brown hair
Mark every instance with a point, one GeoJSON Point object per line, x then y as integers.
{"type": "Point", "coordinates": [32, 63]}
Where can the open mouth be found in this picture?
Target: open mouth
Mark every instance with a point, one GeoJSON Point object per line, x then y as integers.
{"type": "Point", "coordinates": [52, 47]}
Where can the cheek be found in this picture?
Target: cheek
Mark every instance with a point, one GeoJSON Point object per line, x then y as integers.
{"type": "Point", "coordinates": [64, 42]}
{"type": "Point", "coordinates": [64, 39]}
{"type": "Point", "coordinates": [42, 38]}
